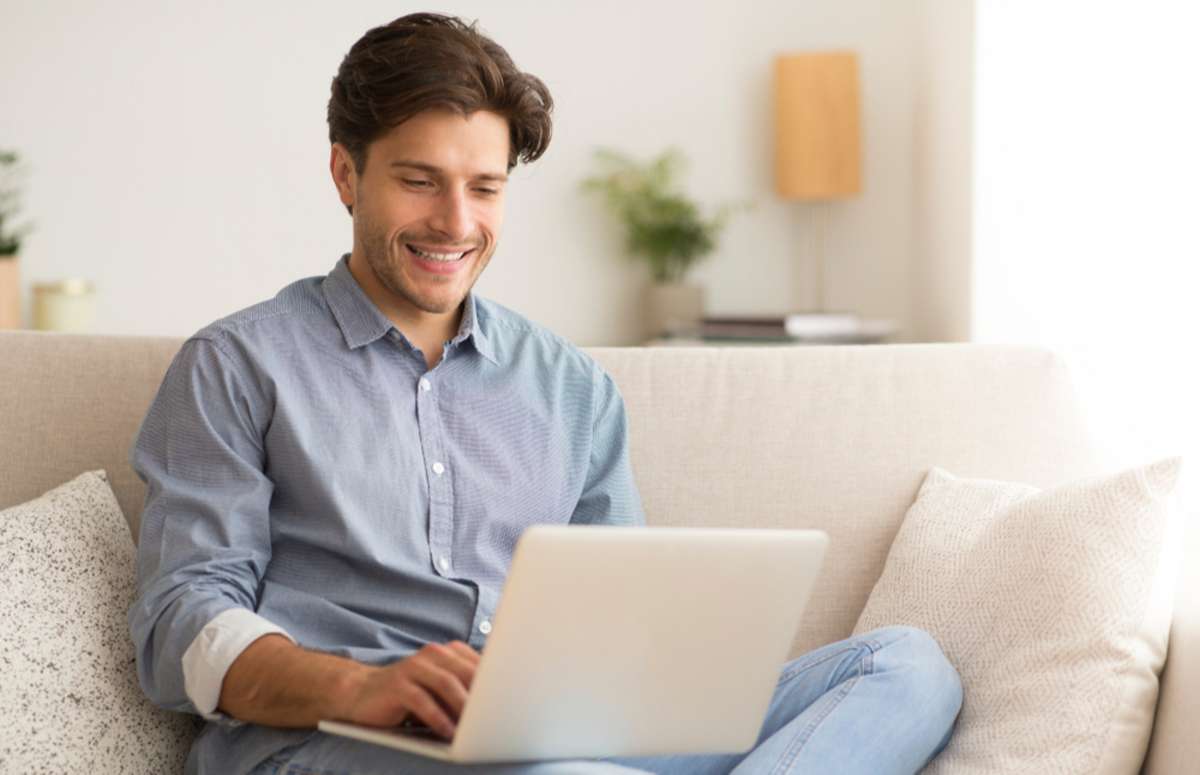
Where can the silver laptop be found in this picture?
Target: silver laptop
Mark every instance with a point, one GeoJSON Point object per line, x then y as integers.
{"type": "Point", "coordinates": [640, 641]}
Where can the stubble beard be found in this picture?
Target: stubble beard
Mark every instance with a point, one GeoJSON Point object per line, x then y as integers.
{"type": "Point", "coordinates": [383, 258]}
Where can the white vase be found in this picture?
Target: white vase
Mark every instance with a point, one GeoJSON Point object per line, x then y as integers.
{"type": "Point", "coordinates": [10, 292]}
{"type": "Point", "coordinates": [673, 308]}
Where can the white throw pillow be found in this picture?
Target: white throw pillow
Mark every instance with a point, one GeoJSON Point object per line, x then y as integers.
{"type": "Point", "coordinates": [69, 697]}
{"type": "Point", "coordinates": [1053, 605]}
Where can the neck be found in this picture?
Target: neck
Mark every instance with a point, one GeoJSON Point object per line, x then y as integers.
{"type": "Point", "coordinates": [427, 330]}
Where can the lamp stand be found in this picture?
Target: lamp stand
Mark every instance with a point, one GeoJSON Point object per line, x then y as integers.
{"type": "Point", "coordinates": [809, 289]}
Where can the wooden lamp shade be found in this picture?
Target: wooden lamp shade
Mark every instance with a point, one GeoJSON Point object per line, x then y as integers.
{"type": "Point", "coordinates": [817, 145]}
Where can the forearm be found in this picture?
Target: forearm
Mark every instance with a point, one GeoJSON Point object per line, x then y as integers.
{"type": "Point", "coordinates": [277, 683]}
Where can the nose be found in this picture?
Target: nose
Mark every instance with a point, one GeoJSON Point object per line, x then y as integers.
{"type": "Point", "coordinates": [452, 215]}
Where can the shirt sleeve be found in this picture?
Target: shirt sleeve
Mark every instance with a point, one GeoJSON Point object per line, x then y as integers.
{"type": "Point", "coordinates": [204, 541]}
{"type": "Point", "coordinates": [610, 496]}
{"type": "Point", "coordinates": [209, 656]}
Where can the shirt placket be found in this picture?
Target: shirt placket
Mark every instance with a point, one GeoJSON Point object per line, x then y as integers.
{"type": "Point", "coordinates": [481, 625]}
{"type": "Point", "coordinates": [438, 475]}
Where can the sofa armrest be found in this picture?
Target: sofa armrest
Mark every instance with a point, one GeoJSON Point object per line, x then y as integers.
{"type": "Point", "coordinates": [1174, 744]}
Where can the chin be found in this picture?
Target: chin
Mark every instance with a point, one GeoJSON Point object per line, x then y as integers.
{"type": "Point", "coordinates": [436, 304]}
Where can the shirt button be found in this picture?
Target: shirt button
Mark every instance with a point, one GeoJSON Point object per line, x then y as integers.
{"type": "Point", "coordinates": [485, 626]}
{"type": "Point", "coordinates": [439, 469]}
{"type": "Point", "coordinates": [444, 563]}
{"type": "Point", "coordinates": [425, 385]}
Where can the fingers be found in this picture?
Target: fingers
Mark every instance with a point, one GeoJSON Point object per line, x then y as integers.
{"type": "Point", "coordinates": [430, 685]}
{"type": "Point", "coordinates": [442, 684]}
{"type": "Point", "coordinates": [457, 657]}
{"type": "Point", "coordinates": [447, 671]}
{"type": "Point", "coordinates": [444, 673]}
{"type": "Point", "coordinates": [422, 705]}
{"type": "Point", "coordinates": [465, 651]}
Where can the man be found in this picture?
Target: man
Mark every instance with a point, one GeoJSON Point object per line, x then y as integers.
{"type": "Point", "coordinates": [337, 477]}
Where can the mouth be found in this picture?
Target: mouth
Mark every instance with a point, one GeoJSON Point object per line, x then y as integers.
{"type": "Point", "coordinates": [439, 261]}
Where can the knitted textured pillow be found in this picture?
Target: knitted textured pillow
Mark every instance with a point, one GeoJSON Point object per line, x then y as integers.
{"type": "Point", "coordinates": [69, 697]}
{"type": "Point", "coordinates": [1051, 606]}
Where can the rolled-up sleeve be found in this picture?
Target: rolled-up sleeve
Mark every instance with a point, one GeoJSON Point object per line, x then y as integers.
{"type": "Point", "coordinates": [214, 649]}
{"type": "Point", "coordinates": [610, 495]}
{"type": "Point", "coordinates": [205, 535]}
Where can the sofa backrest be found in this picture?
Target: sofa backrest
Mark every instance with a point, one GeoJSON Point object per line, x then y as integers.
{"type": "Point", "coordinates": [837, 438]}
{"type": "Point", "coordinates": [72, 403]}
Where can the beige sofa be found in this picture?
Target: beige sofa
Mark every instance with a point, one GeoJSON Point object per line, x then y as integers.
{"type": "Point", "coordinates": [837, 438]}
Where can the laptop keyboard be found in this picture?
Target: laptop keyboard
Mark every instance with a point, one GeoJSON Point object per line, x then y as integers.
{"type": "Point", "coordinates": [413, 728]}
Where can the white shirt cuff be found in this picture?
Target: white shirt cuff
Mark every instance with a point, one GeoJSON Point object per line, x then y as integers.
{"type": "Point", "coordinates": [214, 649]}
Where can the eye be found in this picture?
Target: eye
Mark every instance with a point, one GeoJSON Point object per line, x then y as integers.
{"type": "Point", "coordinates": [488, 191]}
{"type": "Point", "coordinates": [418, 183]}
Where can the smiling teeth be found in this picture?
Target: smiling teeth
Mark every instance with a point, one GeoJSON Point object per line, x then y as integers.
{"type": "Point", "coordinates": [438, 256]}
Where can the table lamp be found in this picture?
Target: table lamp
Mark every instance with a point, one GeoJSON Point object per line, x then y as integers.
{"type": "Point", "coordinates": [817, 141]}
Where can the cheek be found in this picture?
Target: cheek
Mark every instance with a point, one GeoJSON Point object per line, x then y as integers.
{"type": "Point", "coordinates": [400, 211]}
{"type": "Point", "coordinates": [491, 220]}
{"type": "Point", "coordinates": [379, 231]}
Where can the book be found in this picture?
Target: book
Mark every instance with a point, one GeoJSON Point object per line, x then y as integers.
{"type": "Point", "coordinates": [799, 325]}
{"type": "Point", "coordinates": [797, 328]}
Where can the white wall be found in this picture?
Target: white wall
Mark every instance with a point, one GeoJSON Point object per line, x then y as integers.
{"type": "Point", "coordinates": [179, 151]}
{"type": "Point", "coordinates": [943, 159]}
{"type": "Point", "coordinates": [1086, 207]}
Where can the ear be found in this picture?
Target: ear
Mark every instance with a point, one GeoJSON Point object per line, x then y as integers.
{"type": "Point", "coordinates": [341, 167]}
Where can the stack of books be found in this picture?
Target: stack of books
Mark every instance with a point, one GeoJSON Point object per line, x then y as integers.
{"type": "Point", "coordinates": [799, 327]}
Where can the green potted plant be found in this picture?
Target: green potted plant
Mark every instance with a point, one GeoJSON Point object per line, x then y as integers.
{"type": "Point", "coordinates": [10, 239]}
{"type": "Point", "coordinates": [663, 228]}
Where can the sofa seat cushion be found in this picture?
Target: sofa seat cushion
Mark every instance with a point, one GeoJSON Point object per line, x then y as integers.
{"type": "Point", "coordinates": [1050, 603]}
{"type": "Point", "coordinates": [69, 697]}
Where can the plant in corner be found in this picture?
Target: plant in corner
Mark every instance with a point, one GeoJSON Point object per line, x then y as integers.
{"type": "Point", "coordinates": [10, 239]}
{"type": "Point", "coordinates": [663, 227]}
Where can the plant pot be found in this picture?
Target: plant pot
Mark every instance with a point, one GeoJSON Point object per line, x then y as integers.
{"type": "Point", "coordinates": [674, 308]}
{"type": "Point", "coordinates": [10, 292]}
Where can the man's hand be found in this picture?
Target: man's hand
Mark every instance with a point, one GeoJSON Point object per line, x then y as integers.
{"type": "Point", "coordinates": [277, 683]}
{"type": "Point", "coordinates": [431, 685]}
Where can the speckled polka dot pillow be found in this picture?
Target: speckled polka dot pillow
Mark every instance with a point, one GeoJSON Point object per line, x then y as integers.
{"type": "Point", "coordinates": [69, 698]}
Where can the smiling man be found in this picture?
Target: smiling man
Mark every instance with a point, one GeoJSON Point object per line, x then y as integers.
{"type": "Point", "coordinates": [429, 197]}
{"type": "Point", "coordinates": [337, 477]}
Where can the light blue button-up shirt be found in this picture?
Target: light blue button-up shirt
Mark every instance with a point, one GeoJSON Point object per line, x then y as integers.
{"type": "Point", "coordinates": [303, 463]}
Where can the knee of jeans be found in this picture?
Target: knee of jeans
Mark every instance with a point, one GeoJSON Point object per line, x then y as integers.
{"type": "Point", "coordinates": [934, 682]}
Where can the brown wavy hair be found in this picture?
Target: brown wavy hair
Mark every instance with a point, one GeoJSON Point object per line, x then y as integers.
{"type": "Point", "coordinates": [427, 60]}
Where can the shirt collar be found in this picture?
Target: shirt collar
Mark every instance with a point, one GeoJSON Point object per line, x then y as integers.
{"type": "Point", "coordinates": [362, 322]}
{"type": "Point", "coordinates": [472, 328]}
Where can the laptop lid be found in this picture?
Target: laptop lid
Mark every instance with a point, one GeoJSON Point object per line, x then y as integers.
{"type": "Point", "coordinates": [640, 641]}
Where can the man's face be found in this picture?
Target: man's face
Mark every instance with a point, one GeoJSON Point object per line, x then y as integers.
{"type": "Point", "coordinates": [429, 205]}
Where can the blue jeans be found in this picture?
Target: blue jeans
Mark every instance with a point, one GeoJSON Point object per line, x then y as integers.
{"type": "Point", "coordinates": [882, 702]}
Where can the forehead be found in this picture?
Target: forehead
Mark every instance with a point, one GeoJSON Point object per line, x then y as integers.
{"type": "Point", "coordinates": [458, 145]}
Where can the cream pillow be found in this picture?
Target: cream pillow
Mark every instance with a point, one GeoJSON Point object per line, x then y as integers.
{"type": "Point", "coordinates": [69, 697]}
{"type": "Point", "coordinates": [1053, 605]}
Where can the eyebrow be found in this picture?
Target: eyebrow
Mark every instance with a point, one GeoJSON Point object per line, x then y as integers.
{"type": "Point", "coordinates": [431, 169]}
